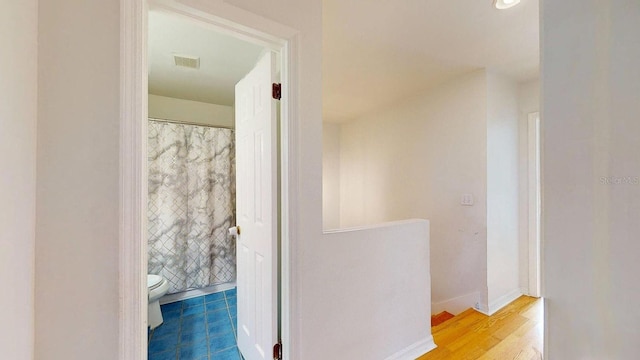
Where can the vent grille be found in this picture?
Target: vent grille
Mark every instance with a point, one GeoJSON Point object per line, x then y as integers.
{"type": "Point", "coordinates": [192, 62]}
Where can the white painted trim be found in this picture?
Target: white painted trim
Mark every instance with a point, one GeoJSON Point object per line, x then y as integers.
{"type": "Point", "coordinates": [502, 301]}
{"type": "Point", "coordinates": [289, 151]}
{"type": "Point", "coordinates": [389, 224]}
{"type": "Point", "coordinates": [414, 350]}
{"type": "Point", "coordinates": [534, 198]}
{"type": "Point", "coordinates": [133, 186]}
{"type": "Point", "coordinates": [456, 305]}
{"type": "Point", "coordinates": [133, 296]}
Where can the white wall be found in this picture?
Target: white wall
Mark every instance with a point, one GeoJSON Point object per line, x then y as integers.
{"type": "Point", "coordinates": [590, 240]}
{"type": "Point", "coordinates": [379, 304]}
{"type": "Point", "coordinates": [77, 229]}
{"type": "Point", "coordinates": [77, 187]}
{"type": "Point", "coordinates": [18, 115]}
{"type": "Point", "coordinates": [330, 175]}
{"type": "Point", "coordinates": [502, 192]}
{"type": "Point", "coordinates": [414, 160]}
{"type": "Point", "coordinates": [591, 126]}
{"type": "Point", "coordinates": [166, 108]}
{"type": "Point", "coordinates": [528, 102]}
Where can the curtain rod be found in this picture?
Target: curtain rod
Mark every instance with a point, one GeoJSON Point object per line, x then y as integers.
{"type": "Point", "coordinates": [190, 123]}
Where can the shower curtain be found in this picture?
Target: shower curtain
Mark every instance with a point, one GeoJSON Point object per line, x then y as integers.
{"type": "Point", "coordinates": [191, 204]}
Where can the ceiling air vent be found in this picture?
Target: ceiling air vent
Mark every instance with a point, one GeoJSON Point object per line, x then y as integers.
{"type": "Point", "coordinates": [192, 62]}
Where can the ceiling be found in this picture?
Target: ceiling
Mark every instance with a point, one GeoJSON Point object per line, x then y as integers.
{"type": "Point", "coordinates": [376, 53]}
{"type": "Point", "coordinates": [224, 60]}
{"type": "Point", "coordinates": [373, 55]}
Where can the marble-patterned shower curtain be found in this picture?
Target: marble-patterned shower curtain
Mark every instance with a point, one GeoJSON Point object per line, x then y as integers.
{"type": "Point", "coordinates": [191, 204]}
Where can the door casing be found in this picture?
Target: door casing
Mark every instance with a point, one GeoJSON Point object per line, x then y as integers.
{"type": "Point", "coordinates": [534, 202]}
{"type": "Point", "coordinates": [133, 149]}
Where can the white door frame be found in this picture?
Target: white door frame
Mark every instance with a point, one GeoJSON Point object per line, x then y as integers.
{"type": "Point", "coordinates": [133, 153]}
{"type": "Point", "coordinates": [534, 203]}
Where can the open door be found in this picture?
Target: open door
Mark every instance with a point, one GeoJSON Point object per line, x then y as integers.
{"type": "Point", "coordinates": [256, 206]}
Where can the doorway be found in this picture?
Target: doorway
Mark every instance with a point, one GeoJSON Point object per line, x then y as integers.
{"type": "Point", "coordinates": [273, 37]}
{"type": "Point", "coordinates": [210, 104]}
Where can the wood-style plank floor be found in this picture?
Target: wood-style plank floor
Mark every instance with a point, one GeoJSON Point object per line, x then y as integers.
{"type": "Point", "coordinates": [514, 332]}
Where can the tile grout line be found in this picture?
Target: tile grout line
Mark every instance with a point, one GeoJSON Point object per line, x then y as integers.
{"type": "Point", "coordinates": [179, 344]}
{"type": "Point", "coordinates": [206, 323]}
{"type": "Point", "coordinates": [224, 294]}
{"type": "Point", "coordinates": [208, 338]}
{"type": "Point", "coordinates": [233, 326]}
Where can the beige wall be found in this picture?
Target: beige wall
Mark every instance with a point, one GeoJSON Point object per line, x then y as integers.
{"type": "Point", "coordinates": [415, 160]}
{"type": "Point", "coordinates": [18, 114]}
{"type": "Point", "coordinates": [502, 191]}
{"type": "Point", "coordinates": [590, 166]}
{"type": "Point", "coordinates": [330, 175]}
{"type": "Point", "coordinates": [166, 108]}
{"type": "Point", "coordinates": [77, 187]}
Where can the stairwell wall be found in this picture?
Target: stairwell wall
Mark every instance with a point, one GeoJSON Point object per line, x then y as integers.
{"type": "Point", "coordinates": [331, 175]}
{"type": "Point", "coordinates": [528, 102]}
{"type": "Point", "coordinates": [414, 160]}
{"type": "Point", "coordinates": [503, 247]}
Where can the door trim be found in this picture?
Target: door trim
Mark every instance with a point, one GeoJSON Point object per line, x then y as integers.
{"type": "Point", "coordinates": [534, 201]}
{"type": "Point", "coordinates": [133, 148]}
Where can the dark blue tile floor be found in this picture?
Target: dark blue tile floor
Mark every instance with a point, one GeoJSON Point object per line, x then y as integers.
{"type": "Point", "coordinates": [197, 328]}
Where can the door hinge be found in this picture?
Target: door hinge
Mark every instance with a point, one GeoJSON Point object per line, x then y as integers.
{"type": "Point", "coordinates": [276, 91]}
{"type": "Point", "coordinates": [277, 351]}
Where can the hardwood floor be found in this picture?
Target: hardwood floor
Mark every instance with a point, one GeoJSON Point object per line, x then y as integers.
{"type": "Point", "coordinates": [514, 332]}
{"type": "Point", "coordinates": [440, 318]}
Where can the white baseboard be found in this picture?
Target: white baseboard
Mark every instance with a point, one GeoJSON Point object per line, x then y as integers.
{"type": "Point", "coordinates": [503, 301]}
{"type": "Point", "coordinates": [457, 304]}
{"type": "Point", "coordinates": [415, 350]}
{"type": "Point", "coordinates": [195, 293]}
{"type": "Point", "coordinates": [482, 308]}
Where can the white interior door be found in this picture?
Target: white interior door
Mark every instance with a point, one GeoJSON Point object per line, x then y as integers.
{"type": "Point", "coordinates": [256, 206]}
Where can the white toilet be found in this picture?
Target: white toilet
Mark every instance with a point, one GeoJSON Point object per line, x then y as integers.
{"type": "Point", "coordinates": [158, 286]}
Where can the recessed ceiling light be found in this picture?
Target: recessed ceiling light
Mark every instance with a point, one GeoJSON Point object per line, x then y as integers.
{"type": "Point", "coordinates": [505, 4]}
